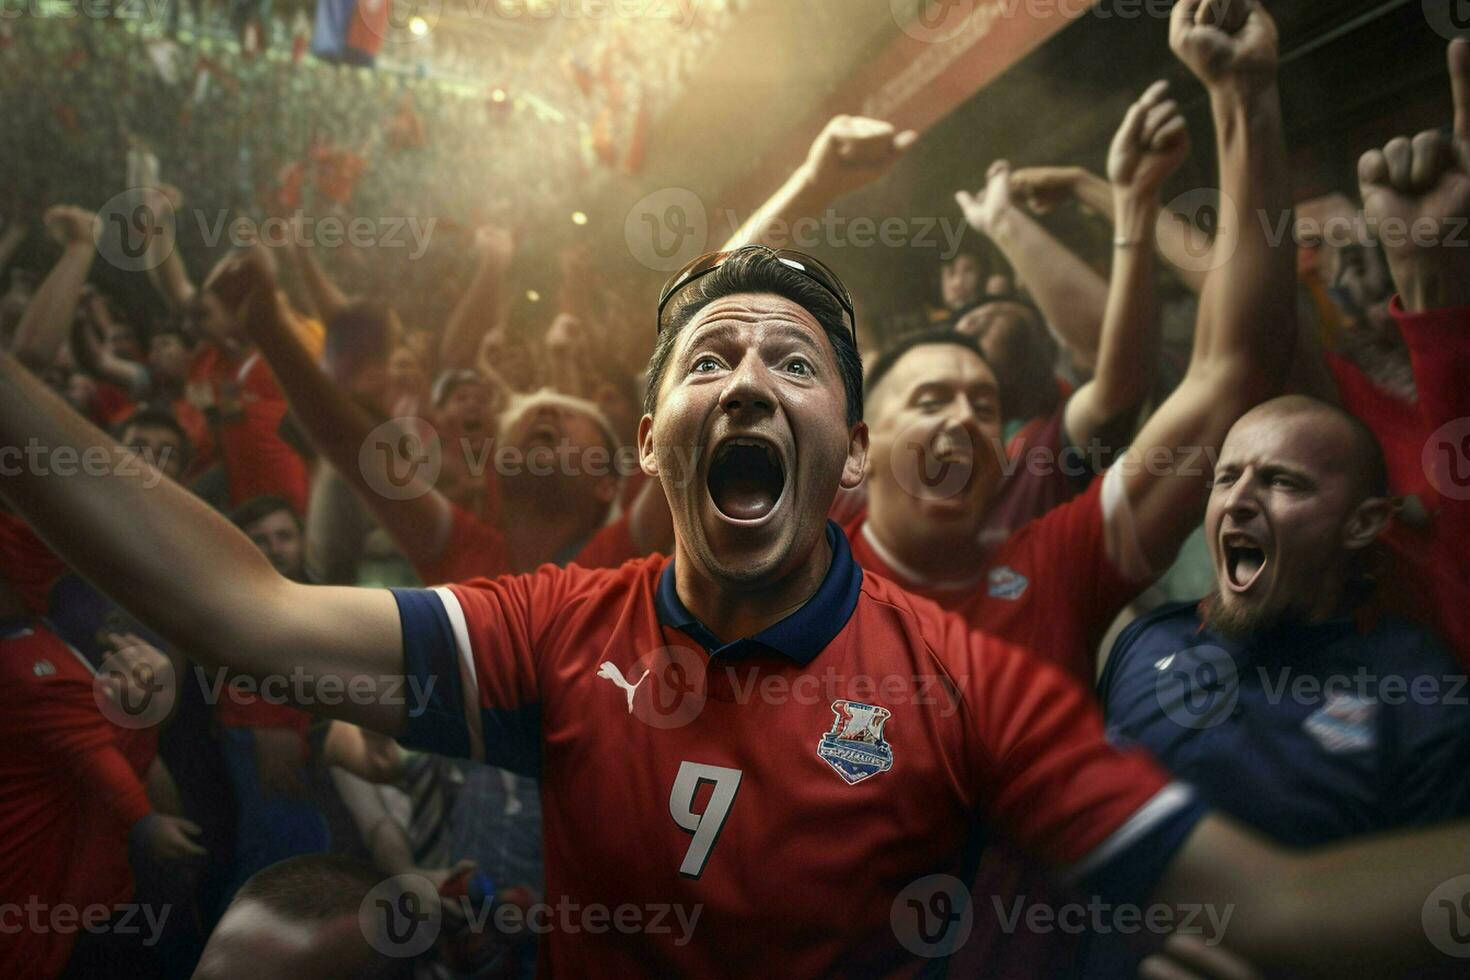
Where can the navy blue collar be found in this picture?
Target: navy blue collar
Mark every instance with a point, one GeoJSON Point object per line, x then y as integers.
{"type": "Point", "coordinates": [798, 637]}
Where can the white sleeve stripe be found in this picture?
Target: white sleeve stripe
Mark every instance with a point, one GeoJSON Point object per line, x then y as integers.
{"type": "Point", "coordinates": [1164, 804]}
{"type": "Point", "coordinates": [471, 680]}
{"type": "Point", "coordinates": [1120, 529]}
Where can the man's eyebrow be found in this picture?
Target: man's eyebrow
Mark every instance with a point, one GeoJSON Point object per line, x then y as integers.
{"type": "Point", "coordinates": [786, 330]}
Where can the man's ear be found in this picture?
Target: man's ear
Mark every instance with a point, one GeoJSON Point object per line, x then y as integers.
{"type": "Point", "coordinates": [856, 466]}
{"type": "Point", "coordinates": [1367, 522]}
{"type": "Point", "coordinates": [647, 461]}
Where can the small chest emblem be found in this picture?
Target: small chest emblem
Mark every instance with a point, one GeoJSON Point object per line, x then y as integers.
{"type": "Point", "coordinates": [43, 668]}
{"type": "Point", "coordinates": [1006, 583]}
{"type": "Point", "coordinates": [1344, 724]}
{"type": "Point", "coordinates": [855, 746]}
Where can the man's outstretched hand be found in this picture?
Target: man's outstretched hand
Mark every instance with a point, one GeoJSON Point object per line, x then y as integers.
{"type": "Point", "coordinates": [1416, 199]}
{"type": "Point", "coordinates": [853, 151]}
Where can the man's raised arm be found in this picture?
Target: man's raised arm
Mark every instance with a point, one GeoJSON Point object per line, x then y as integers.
{"type": "Point", "coordinates": [418, 517]}
{"type": "Point", "coordinates": [1069, 293]}
{"type": "Point", "coordinates": [850, 152]}
{"type": "Point", "coordinates": [1247, 318]}
{"type": "Point", "coordinates": [1149, 146]}
{"type": "Point", "coordinates": [185, 571]}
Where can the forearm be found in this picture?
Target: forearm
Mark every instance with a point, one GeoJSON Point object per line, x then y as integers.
{"type": "Point", "coordinates": [771, 223]}
{"type": "Point", "coordinates": [1248, 307]}
{"type": "Point", "coordinates": [1070, 294]}
{"type": "Point", "coordinates": [163, 792]}
{"type": "Point", "coordinates": [45, 324]}
{"type": "Point", "coordinates": [341, 430]}
{"type": "Point", "coordinates": [385, 839]}
{"type": "Point", "coordinates": [149, 543]}
{"type": "Point", "coordinates": [325, 295]}
{"type": "Point", "coordinates": [1361, 909]}
{"type": "Point", "coordinates": [1128, 351]}
{"type": "Point", "coordinates": [1174, 233]}
{"type": "Point", "coordinates": [476, 313]}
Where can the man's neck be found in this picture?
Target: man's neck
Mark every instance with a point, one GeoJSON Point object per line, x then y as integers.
{"type": "Point", "coordinates": [928, 555]}
{"type": "Point", "coordinates": [733, 613]}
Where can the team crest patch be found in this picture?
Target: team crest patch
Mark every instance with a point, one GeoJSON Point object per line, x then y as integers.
{"type": "Point", "coordinates": [1344, 724]}
{"type": "Point", "coordinates": [855, 746]}
{"type": "Point", "coordinates": [1006, 583]}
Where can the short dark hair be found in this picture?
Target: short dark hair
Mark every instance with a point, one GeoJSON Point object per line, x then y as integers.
{"type": "Point", "coordinates": [155, 417]}
{"type": "Point", "coordinates": [919, 338]}
{"type": "Point", "coordinates": [311, 887]}
{"type": "Point", "coordinates": [258, 508]}
{"type": "Point", "coordinates": [757, 270]}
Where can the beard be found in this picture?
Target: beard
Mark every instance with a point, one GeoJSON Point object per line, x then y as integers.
{"type": "Point", "coordinates": [1235, 621]}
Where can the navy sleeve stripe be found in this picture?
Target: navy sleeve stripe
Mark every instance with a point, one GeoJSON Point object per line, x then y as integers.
{"type": "Point", "coordinates": [431, 660]}
{"type": "Point", "coordinates": [1128, 865]}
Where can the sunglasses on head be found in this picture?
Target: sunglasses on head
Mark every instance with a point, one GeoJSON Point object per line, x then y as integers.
{"type": "Point", "coordinates": [796, 261]}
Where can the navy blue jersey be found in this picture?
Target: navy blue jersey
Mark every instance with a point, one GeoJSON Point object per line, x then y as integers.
{"type": "Point", "coordinates": [1307, 734]}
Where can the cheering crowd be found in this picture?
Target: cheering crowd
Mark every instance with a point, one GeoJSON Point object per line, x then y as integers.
{"type": "Point", "coordinates": [298, 604]}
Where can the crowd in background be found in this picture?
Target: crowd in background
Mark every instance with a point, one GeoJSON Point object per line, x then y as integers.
{"type": "Point", "coordinates": [266, 378]}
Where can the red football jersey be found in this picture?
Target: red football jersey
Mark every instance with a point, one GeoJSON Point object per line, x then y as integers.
{"type": "Point", "coordinates": [26, 563]}
{"type": "Point", "coordinates": [256, 458]}
{"type": "Point", "coordinates": [70, 790]}
{"type": "Point", "coordinates": [1051, 587]}
{"type": "Point", "coordinates": [783, 801]}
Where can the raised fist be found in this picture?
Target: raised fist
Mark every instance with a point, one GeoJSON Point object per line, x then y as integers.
{"type": "Point", "coordinates": [853, 151]}
{"type": "Point", "coordinates": [1416, 200]}
{"type": "Point", "coordinates": [1150, 144]}
{"type": "Point", "coordinates": [1226, 43]}
{"type": "Point", "coordinates": [70, 225]}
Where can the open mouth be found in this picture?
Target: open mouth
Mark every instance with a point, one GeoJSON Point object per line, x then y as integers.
{"type": "Point", "coordinates": [746, 479]}
{"type": "Point", "coordinates": [1245, 560]}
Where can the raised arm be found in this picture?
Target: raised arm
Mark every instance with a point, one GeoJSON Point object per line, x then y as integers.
{"type": "Point", "coordinates": [45, 325]}
{"type": "Point", "coordinates": [186, 572]}
{"type": "Point", "coordinates": [482, 306]}
{"type": "Point", "coordinates": [1070, 294]}
{"type": "Point", "coordinates": [95, 356]}
{"type": "Point", "coordinates": [1423, 186]}
{"type": "Point", "coordinates": [415, 515]}
{"type": "Point", "coordinates": [326, 297]}
{"type": "Point", "coordinates": [1150, 145]}
{"type": "Point", "coordinates": [165, 268]}
{"type": "Point", "coordinates": [1042, 188]}
{"type": "Point", "coordinates": [850, 152]}
{"type": "Point", "coordinates": [1247, 317]}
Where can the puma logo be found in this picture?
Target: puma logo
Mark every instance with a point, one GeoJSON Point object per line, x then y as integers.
{"type": "Point", "coordinates": [610, 671]}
